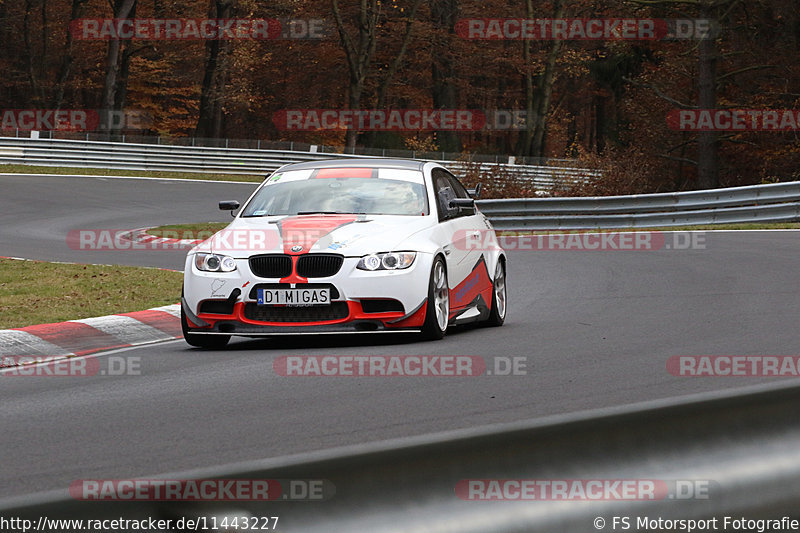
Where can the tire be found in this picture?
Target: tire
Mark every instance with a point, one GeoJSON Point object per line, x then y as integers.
{"type": "Point", "coordinates": [497, 315]}
{"type": "Point", "coordinates": [437, 310]}
{"type": "Point", "coordinates": [199, 340]}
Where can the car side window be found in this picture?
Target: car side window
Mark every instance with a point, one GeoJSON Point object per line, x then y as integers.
{"type": "Point", "coordinates": [458, 191]}
{"type": "Point", "coordinates": [444, 193]}
{"type": "Point", "coordinates": [458, 188]}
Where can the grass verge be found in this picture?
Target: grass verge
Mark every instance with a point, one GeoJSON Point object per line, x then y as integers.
{"type": "Point", "coordinates": [32, 169]}
{"type": "Point", "coordinates": [34, 292]}
{"type": "Point", "coordinates": [204, 230]}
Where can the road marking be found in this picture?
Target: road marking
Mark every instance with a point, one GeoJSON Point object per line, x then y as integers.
{"type": "Point", "coordinates": [174, 309]}
{"type": "Point", "coordinates": [15, 342]}
{"type": "Point", "coordinates": [126, 329]}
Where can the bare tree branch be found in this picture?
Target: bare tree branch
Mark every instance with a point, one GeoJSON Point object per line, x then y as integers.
{"type": "Point", "coordinates": [659, 93]}
{"type": "Point", "coordinates": [741, 70]}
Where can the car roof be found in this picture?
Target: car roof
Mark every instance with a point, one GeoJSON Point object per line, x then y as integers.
{"type": "Point", "coordinates": [376, 162]}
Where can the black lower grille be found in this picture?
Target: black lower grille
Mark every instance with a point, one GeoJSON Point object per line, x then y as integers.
{"type": "Point", "coordinates": [382, 306]}
{"type": "Point", "coordinates": [319, 265]}
{"type": "Point", "coordinates": [266, 313]}
{"type": "Point", "coordinates": [217, 307]}
{"type": "Point", "coordinates": [271, 266]}
{"type": "Point", "coordinates": [221, 307]}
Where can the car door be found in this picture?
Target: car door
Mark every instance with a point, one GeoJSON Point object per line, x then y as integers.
{"type": "Point", "coordinates": [455, 225]}
{"type": "Point", "coordinates": [471, 224]}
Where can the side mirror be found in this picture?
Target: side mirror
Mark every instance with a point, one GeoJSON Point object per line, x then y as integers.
{"type": "Point", "coordinates": [462, 204]}
{"type": "Point", "coordinates": [229, 205]}
{"type": "Point", "coordinates": [459, 203]}
{"type": "Point", "coordinates": [476, 192]}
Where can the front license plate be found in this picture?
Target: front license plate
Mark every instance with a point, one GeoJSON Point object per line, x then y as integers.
{"type": "Point", "coordinates": [294, 297]}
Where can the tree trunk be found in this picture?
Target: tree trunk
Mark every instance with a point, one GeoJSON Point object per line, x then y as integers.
{"type": "Point", "coordinates": [359, 55]}
{"type": "Point", "coordinates": [29, 54]}
{"type": "Point", "coordinates": [544, 91]}
{"type": "Point", "coordinates": [526, 138]}
{"type": "Point", "coordinates": [707, 142]}
{"type": "Point", "coordinates": [66, 60]}
{"type": "Point", "coordinates": [539, 94]}
{"type": "Point", "coordinates": [122, 10]}
{"type": "Point", "coordinates": [386, 81]}
{"type": "Point", "coordinates": [444, 14]}
{"type": "Point", "coordinates": [600, 123]}
{"type": "Point", "coordinates": [209, 122]}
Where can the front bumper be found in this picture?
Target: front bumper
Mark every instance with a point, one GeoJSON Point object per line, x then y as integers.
{"type": "Point", "coordinates": [232, 298]}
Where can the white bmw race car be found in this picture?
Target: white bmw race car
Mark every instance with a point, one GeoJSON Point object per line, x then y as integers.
{"type": "Point", "coordinates": [360, 245]}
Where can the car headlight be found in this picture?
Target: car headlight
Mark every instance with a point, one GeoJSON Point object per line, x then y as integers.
{"type": "Point", "coordinates": [214, 263]}
{"type": "Point", "coordinates": [387, 261]}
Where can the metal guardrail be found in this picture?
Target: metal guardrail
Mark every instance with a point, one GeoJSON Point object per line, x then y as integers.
{"type": "Point", "coordinates": [290, 146]}
{"type": "Point", "coordinates": [743, 447]}
{"type": "Point", "coordinates": [776, 202]}
{"type": "Point", "coordinates": [129, 156]}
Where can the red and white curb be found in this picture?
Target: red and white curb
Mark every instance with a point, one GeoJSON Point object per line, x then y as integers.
{"type": "Point", "coordinates": [90, 335]}
{"type": "Point", "coordinates": [141, 236]}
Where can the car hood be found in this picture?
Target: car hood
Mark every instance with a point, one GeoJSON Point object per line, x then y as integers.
{"type": "Point", "coordinates": [349, 235]}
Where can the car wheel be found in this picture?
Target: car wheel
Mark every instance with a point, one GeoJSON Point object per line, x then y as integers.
{"type": "Point", "coordinates": [202, 341]}
{"type": "Point", "coordinates": [497, 315]}
{"type": "Point", "coordinates": [437, 312]}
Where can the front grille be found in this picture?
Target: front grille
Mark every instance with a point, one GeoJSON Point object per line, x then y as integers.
{"type": "Point", "coordinates": [381, 306]}
{"type": "Point", "coordinates": [271, 266]}
{"type": "Point", "coordinates": [308, 266]}
{"type": "Point", "coordinates": [319, 265]}
{"type": "Point", "coordinates": [254, 290]}
{"type": "Point", "coordinates": [267, 313]}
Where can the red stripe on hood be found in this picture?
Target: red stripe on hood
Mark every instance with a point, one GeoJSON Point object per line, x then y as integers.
{"type": "Point", "coordinates": [305, 231]}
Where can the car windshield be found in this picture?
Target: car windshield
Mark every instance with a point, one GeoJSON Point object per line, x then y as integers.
{"type": "Point", "coordinates": [331, 191]}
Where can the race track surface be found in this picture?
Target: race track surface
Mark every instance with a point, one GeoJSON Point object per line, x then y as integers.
{"type": "Point", "coordinates": [596, 329]}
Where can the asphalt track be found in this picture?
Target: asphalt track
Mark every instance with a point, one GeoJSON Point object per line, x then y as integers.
{"type": "Point", "coordinates": [596, 327]}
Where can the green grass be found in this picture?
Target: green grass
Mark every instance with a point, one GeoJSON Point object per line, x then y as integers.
{"type": "Point", "coordinates": [34, 292]}
{"type": "Point", "coordinates": [32, 169]}
{"type": "Point", "coordinates": [204, 230]}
